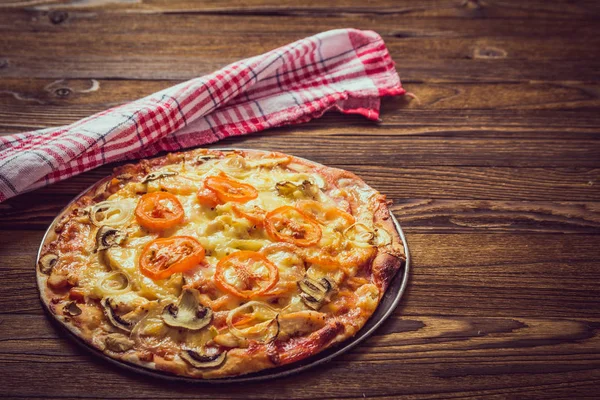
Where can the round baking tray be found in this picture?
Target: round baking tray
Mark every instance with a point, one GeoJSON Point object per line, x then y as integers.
{"type": "Point", "coordinates": [386, 307]}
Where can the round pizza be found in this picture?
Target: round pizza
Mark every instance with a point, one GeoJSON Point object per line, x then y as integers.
{"type": "Point", "coordinates": [219, 263]}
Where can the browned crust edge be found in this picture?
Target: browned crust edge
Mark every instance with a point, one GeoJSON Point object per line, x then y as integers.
{"type": "Point", "coordinates": [389, 259]}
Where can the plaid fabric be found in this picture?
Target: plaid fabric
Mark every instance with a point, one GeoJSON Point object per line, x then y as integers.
{"type": "Point", "coordinates": [345, 69]}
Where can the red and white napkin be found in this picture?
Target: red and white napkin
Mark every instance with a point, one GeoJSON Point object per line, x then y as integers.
{"type": "Point", "coordinates": [344, 69]}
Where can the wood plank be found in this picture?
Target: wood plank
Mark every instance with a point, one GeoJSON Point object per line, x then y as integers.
{"type": "Point", "coordinates": [493, 280]}
{"type": "Point", "coordinates": [500, 51]}
{"type": "Point", "coordinates": [534, 124]}
{"type": "Point", "coordinates": [416, 215]}
{"type": "Point", "coordinates": [402, 185]}
{"type": "Point", "coordinates": [431, 151]}
{"type": "Point", "coordinates": [426, 8]}
{"type": "Point", "coordinates": [463, 348]}
{"type": "Point", "coordinates": [496, 124]}
{"type": "Point", "coordinates": [32, 19]}
{"type": "Point", "coordinates": [145, 66]}
{"type": "Point", "coordinates": [105, 35]}
{"type": "Point", "coordinates": [413, 152]}
{"type": "Point", "coordinates": [483, 216]}
{"type": "Point", "coordinates": [217, 29]}
{"type": "Point", "coordinates": [41, 341]}
{"type": "Point", "coordinates": [60, 101]}
{"type": "Point", "coordinates": [497, 275]}
{"type": "Point", "coordinates": [40, 104]}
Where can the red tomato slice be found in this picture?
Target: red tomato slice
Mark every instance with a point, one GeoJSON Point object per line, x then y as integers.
{"type": "Point", "coordinates": [228, 189]}
{"type": "Point", "coordinates": [326, 216]}
{"type": "Point", "coordinates": [207, 197]}
{"type": "Point", "coordinates": [158, 211]}
{"type": "Point", "coordinates": [250, 268]}
{"type": "Point", "coordinates": [163, 257]}
{"type": "Point", "coordinates": [288, 224]}
{"type": "Point", "coordinates": [256, 215]}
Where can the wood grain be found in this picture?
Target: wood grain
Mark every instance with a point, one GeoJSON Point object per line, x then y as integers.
{"type": "Point", "coordinates": [92, 95]}
{"type": "Point", "coordinates": [58, 61]}
{"type": "Point", "coordinates": [449, 366]}
{"type": "Point", "coordinates": [493, 167]}
{"type": "Point", "coordinates": [163, 45]}
{"type": "Point", "coordinates": [402, 185]}
{"type": "Point", "coordinates": [36, 212]}
{"type": "Point", "coordinates": [505, 275]}
{"type": "Point", "coordinates": [539, 110]}
{"type": "Point", "coordinates": [426, 8]}
{"type": "Point", "coordinates": [495, 327]}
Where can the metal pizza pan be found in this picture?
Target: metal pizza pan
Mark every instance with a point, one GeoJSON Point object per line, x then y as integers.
{"type": "Point", "coordinates": [386, 307]}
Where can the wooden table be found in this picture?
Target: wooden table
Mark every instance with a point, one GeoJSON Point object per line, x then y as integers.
{"type": "Point", "coordinates": [493, 169]}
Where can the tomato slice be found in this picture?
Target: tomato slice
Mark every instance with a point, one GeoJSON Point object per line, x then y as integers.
{"type": "Point", "coordinates": [163, 257]}
{"type": "Point", "coordinates": [256, 215]}
{"type": "Point", "coordinates": [207, 197]}
{"type": "Point", "coordinates": [288, 224]}
{"type": "Point", "coordinates": [331, 216]}
{"type": "Point", "coordinates": [159, 211]}
{"type": "Point", "coordinates": [228, 189]}
{"type": "Point", "coordinates": [337, 216]}
{"type": "Point", "coordinates": [246, 274]}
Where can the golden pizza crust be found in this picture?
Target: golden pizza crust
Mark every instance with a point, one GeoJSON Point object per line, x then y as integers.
{"type": "Point", "coordinates": [91, 325]}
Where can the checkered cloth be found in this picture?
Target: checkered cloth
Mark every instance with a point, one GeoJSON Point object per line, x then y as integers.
{"type": "Point", "coordinates": [345, 69]}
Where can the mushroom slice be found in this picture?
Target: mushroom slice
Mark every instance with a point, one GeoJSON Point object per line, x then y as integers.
{"type": "Point", "coordinates": [158, 175]}
{"type": "Point", "coordinates": [286, 188]}
{"type": "Point", "coordinates": [315, 292]}
{"type": "Point", "coordinates": [71, 309]}
{"type": "Point", "coordinates": [327, 283]}
{"type": "Point", "coordinates": [113, 317]}
{"type": "Point", "coordinates": [47, 262]}
{"type": "Point", "coordinates": [109, 237]}
{"type": "Point", "coordinates": [202, 359]}
{"type": "Point", "coordinates": [187, 313]}
{"type": "Point", "coordinates": [111, 213]}
{"type": "Point", "coordinates": [118, 342]}
{"type": "Point", "coordinates": [309, 189]}
{"type": "Point", "coordinates": [290, 189]}
{"type": "Point", "coordinates": [115, 282]}
{"type": "Point", "coordinates": [310, 301]}
{"type": "Point", "coordinates": [204, 158]}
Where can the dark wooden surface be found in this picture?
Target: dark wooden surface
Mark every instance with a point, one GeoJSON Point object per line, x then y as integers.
{"type": "Point", "coordinates": [494, 173]}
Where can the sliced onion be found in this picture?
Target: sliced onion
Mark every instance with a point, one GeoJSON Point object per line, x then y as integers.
{"type": "Point", "coordinates": [116, 282]}
{"type": "Point", "coordinates": [264, 332]}
{"type": "Point", "coordinates": [235, 166]}
{"type": "Point", "coordinates": [111, 213]}
{"type": "Point", "coordinates": [360, 234]}
{"type": "Point", "coordinates": [295, 304]}
{"type": "Point", "coordinates": [137, 333]}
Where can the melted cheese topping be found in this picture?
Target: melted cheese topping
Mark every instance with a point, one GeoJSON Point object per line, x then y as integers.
{"type": "Point", "coordinates": [115, 272]}
{"type": "Point", "coordinates": [219, 230]}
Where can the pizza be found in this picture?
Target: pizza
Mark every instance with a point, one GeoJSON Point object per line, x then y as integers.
{"type": "Point", "coordinates": [218, 263]}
